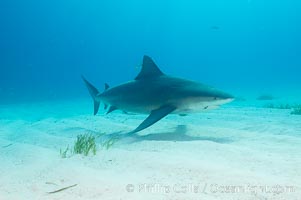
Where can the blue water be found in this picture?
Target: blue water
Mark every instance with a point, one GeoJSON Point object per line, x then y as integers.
{"type": "Point", "coordinates": [237, 45]}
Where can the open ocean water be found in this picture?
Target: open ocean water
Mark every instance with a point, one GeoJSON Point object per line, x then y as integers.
{"type": "Point", "coordinates": [237, 45]}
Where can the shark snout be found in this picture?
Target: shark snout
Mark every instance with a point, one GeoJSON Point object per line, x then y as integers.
{"type": "Point", "coordinates": [224, 101]}
{"type": "Point", "coordinates": [225, 96]}
{"type": "Point", "coordinates": [222, 97]}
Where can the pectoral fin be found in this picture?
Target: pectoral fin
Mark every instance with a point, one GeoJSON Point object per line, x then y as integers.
{"type": "Point", "coordinates": [155, 116]}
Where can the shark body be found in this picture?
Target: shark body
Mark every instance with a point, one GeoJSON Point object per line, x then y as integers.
{"type": "Point", "coordinates": [156, 94]}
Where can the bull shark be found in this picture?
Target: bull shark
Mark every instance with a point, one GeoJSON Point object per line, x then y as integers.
{"type": "Point", "coordinates": [154, 93]}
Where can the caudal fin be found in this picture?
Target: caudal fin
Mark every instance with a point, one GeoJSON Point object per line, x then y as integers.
{"type": "Point", "coordinates": [93, 92]}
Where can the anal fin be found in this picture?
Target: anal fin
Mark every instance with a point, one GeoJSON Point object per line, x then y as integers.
{"type": "Point", "coordinates": [111, 109]}
{"type": "Point", "coordinates": [155, 116]}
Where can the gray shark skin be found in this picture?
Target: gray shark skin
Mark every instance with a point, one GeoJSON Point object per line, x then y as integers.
{"type": "Point", "coordinates": [156, 94]}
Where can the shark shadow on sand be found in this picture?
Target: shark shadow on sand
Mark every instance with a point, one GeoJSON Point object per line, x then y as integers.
{"type": "Point", "coordinates": [178, 135]}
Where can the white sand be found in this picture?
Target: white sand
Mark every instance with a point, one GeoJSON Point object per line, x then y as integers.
{"type": "Point", "coordinates": [257, 151]}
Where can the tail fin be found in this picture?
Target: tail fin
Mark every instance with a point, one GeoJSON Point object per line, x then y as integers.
{"type": "Point", "coordinates": [93, 92]}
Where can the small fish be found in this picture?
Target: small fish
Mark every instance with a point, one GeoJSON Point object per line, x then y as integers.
{"type": "Point", "coordinates": [215, 27]}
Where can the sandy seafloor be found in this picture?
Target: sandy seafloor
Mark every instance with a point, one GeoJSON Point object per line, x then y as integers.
{"type": "Point", "coordinates": [240, 151]}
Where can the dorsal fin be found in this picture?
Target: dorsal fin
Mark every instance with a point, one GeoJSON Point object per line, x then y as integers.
{"type": "Point", "coordinates": [149, 69]}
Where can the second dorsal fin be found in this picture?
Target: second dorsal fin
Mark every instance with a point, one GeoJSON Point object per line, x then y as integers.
{"type": "Point", "coordinates": [149, 69]}
{"type": "Point", "coordinates": [106, 86]}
